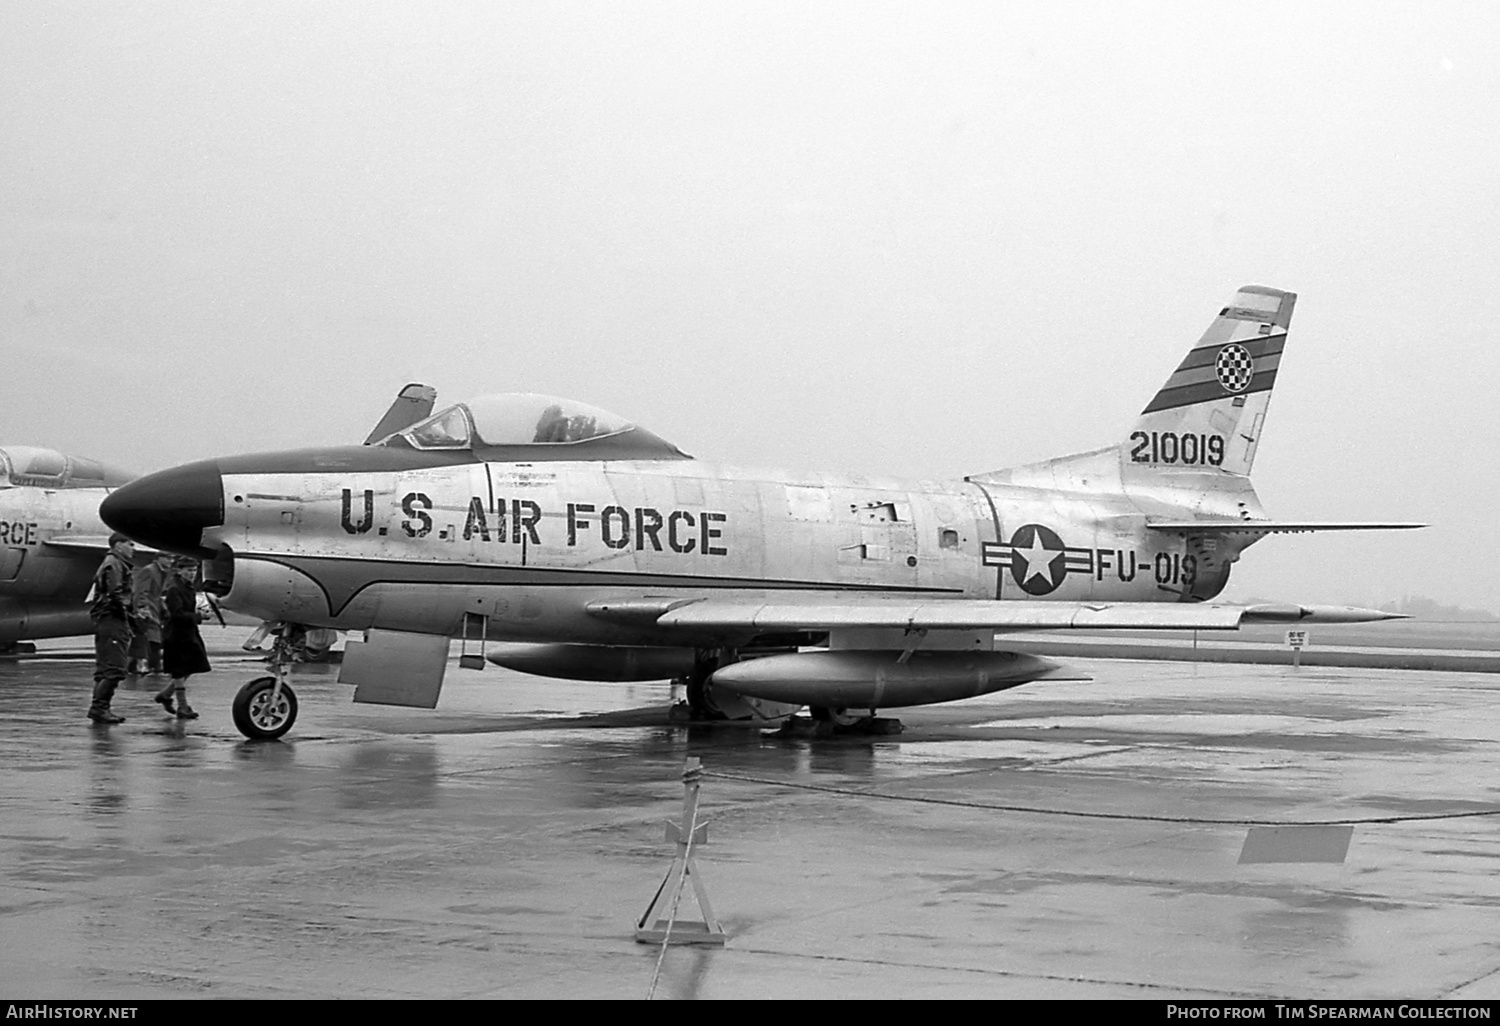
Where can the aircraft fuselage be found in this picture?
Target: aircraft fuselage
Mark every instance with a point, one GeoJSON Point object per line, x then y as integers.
{"type": "Point", "coordinates": [42, 585]}
{"type": "Point", "coordinates": [530, 545]}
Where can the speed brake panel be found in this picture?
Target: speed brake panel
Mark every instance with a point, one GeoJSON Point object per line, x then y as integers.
{"type": "Point", "coordinates": [396, 668]}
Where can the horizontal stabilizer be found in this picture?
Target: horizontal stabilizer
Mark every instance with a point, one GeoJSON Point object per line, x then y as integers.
{"type": "Point", "coordinates": [1264, 527]}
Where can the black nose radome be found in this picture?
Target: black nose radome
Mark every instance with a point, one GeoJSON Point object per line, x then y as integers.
{"type": "Point", "coordinates": [169, 509]}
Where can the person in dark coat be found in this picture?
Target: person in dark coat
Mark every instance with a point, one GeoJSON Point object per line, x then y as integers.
{"type": "Point", "coordinates": [110, 611]}
{"type": "Point", "coordinates": [147, 584]}
{"type": "Point", "coordinates": [182, 651]}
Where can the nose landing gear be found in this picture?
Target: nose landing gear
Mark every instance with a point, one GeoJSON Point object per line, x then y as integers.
{"type": "Point", "coordinates": [266, 708]}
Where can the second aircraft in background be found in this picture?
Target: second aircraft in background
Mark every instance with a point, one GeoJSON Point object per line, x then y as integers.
{"type": "Point", "coordinates": [51, 541]}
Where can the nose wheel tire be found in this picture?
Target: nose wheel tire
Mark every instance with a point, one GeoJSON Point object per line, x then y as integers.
{"type": "Point", "coordinates": [260, 713]}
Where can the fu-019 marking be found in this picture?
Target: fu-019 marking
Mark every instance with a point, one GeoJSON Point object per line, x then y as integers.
{"type": "Point", "coordinates": [1039, 561]}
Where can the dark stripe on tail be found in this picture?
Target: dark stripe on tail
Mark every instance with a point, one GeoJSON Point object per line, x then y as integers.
{"type": "Point", "coordinates": [1204, 356]}
{"type": "Point", "coordinates": [1207, 391]}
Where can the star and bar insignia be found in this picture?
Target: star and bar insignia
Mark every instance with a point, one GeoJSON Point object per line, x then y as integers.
{"type": "Point", "coordinates": [1037, 558]}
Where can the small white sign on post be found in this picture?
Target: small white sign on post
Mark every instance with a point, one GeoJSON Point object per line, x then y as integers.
{"type": "Point", "coordinates": [1295, 640]}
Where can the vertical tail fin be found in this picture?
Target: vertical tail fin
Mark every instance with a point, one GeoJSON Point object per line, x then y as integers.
{"type": "Point", "coordinates": [1210, 412]}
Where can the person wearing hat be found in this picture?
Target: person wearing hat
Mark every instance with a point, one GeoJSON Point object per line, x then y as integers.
{"type": "Point", "coordinates": [148, 583]}
{"type": "Point", "coordinates": [110, 611]}
{"type": "Point", "coordinates": [182, 651]}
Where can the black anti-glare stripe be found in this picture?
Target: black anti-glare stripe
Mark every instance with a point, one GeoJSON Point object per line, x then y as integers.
{"type": "Point", "coordinates": [338, 596]}
{"type": "Point", "coordinates": [1206, 391]}
{"type": "Point", "coordinates": [353, 459]}
{"type": "Point", "coordinates": [634, 444]}
{"type": "Point", "coordinates": [1269, 345]}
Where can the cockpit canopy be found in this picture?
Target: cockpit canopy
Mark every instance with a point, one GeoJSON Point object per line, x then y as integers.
{"type": "Point", "coordinates": [526, 426]}
{"type": "Point", "coordinates": [29, 466]}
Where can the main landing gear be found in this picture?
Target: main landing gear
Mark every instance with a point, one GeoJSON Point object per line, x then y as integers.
{"type": "Point", "coordinates": [266, 708]}
{"type": "Point", "coordinates": [707, 704]}
{"type": "Point", "coordinates": [697, 704]}
{"type": "Point", "coordinates": [826, 722]}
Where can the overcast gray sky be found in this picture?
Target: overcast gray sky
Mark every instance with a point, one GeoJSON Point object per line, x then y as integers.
{"type": "Point", "coordinates": [927, 239]}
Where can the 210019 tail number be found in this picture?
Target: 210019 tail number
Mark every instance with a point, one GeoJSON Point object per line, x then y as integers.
{"type": "Point", "coordinates": [1188, 449]}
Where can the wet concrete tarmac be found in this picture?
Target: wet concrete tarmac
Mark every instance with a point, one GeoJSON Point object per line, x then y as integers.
{"type": "Point", "coordinates": [1075, 840]}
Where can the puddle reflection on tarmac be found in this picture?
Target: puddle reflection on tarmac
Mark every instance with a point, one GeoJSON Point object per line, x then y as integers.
{"type": "Point", "coordinates": [1064, 840]}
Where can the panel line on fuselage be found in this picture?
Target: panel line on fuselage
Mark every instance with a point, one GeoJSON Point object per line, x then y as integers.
{"type": "Point", "coordinates": [995, 514]}
{"type": "Point", "coordinates": [469, 574]}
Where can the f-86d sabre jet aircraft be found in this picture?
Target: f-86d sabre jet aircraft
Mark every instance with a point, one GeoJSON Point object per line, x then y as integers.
{"type": "Point", "coordinates": [527, 518]}
{"type": "Point", "coordinates": [51, 541]}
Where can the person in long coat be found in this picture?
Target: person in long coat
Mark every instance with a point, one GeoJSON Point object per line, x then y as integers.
{"type": "Point", "coordinates": [146, 588]}
{"type": "Point", "coordinates": [182, 651]}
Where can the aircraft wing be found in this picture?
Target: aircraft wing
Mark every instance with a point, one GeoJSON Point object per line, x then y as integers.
{"type": "Point", "coordinates": [83, 542]}
{"type": "Point", "coordinates": [96, 543]}
{"type": "Point", "coordinates": [774, 615]}
{"type": "Point", "coordinates": [1262, 527]}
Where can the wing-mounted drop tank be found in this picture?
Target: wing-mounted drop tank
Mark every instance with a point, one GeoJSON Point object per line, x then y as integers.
{"type": "Point", "coordinates": [594, 662]}
{"type": "Point", "coordinates": [880, 679]}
